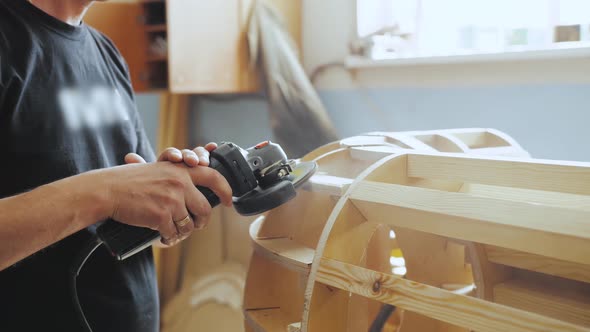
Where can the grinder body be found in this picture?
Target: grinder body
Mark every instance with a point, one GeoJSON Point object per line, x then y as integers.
{"type": "Point", "coordinates": [258, 182]}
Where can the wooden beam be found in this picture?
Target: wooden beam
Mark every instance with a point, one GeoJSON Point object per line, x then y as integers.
{"type": "Point", "coordinates": [498, 211]}
{"type": "Point", "coordinates": [460, 310]}
{"type": "Point", "coordinates": [478, 219]}
{"type": "Point", "coordinates": [550, 198]}
{"type": "Point", "coordinates": [551, 266]}
{"type": "Point", "coordinates": [560, 176]}
{"type": "Point", "coordinates": [568, 306]}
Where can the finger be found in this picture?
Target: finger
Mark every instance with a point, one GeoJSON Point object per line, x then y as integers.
{"type": "Point", "coordinates": [202, 222]}
{"type": "Point", "coordinates": [134, 158]}
{"type": "Point", "coordinates": [190, 158]}
{"type": "Point", "coordinates": [210, 178]}
{"type": "Point", "coordinates": [203, 155]}
{"type": "Point", "coordinates": [168, 232]}
{"type": "Point", "coordinates": [185, 224]}
{"type": "Point", "coordinates": [198, 205]}
{"type": "Point", "coordinates": [171, 154]}
{"type": "Point", "coordinates": [211, 146]}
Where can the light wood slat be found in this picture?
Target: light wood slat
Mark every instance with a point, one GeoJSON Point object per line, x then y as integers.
{"type": "Point", "coordinates": [519, 214]}
{"type": "Point", "coordinates": [568, 177]}
{"type": "Point", "coordinates": [469, 312]}
{"type": "Point", "coordinates": [538, 263]}
{"type": "Point", "coordinates": [556, 233]}
{"type": "Point", "coordinates": [551, 198]}
{"type": "Point", "coordinates": [332, 185]}
{"type": "Point", "coordinates": [563, 305]}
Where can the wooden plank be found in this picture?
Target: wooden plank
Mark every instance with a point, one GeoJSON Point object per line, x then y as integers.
{"type": "Point", "coordinates": [538, 263]}
{"type": "Point", "coordinates": [568, 306]}
{"type": "Point", "coordinates": [550, 198]}
{"type": "Point", "coordinates": [266, 320]}
{"type": "Point", "coordinates": [519, 214]}
{"type": "Point", "coordinates": [443, 305]}
{"type": "Point", "coordinates": [561, 176]}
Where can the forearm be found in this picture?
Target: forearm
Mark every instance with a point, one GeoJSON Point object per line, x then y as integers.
{"type": "Point", "coordinates": [34, 220]}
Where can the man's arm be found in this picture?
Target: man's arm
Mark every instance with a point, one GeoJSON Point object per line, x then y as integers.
{"type": "Point", "coordinates": [148, 195]}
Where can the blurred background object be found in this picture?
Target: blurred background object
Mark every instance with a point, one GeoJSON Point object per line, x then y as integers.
{"type": "Point", "coordinates": [299, 120]}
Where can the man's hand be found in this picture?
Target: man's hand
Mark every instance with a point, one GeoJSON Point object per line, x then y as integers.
{"type": "Point", "coordinates": [192, 158]}
{"type": "Point", "coordinates": [160, 195]}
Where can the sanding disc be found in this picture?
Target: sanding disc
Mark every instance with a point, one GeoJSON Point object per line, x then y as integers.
{"type": "Point", "coordinates": [302, 172]}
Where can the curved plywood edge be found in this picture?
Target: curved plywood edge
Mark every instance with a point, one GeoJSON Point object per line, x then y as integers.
{"type": "Point", "coordinates": [315, 154]}
{"type": "Point", "coordinates": [374, 140]}
{"type": "Point", "coordinates": [282, 251]}
{"type": "Point", "coordinates": [263, 320]}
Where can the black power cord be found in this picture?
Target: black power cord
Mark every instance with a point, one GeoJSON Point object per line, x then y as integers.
{"type": "Point", "coordinates": [76, 267]}
{"type": "Point", "coordinates": [382, 317]}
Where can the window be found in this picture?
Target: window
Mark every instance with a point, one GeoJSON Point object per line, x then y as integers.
{"type": "Point", "coordinates": [423, 28]}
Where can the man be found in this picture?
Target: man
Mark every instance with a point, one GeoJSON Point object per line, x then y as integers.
{"type": "Point", "coordinates": [67, 119]}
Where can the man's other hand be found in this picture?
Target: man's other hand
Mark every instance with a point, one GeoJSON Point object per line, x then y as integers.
{"type": "Point", "coordinates": [191, 158]}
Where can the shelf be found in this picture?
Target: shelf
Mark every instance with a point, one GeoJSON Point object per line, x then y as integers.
{"type": "Point", "coordinates": [563, 52]}
{"type": "Point", "coordinates": [157, 58]}
{"type": "Point", "coordinates": [155, 27]}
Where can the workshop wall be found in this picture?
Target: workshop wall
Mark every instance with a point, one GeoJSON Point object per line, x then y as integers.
{"type": "Point", "coordinates": [550, 121]}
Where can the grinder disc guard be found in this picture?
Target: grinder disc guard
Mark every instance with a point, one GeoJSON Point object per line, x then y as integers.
{"type": "Point", "coordinates": [261, 200]}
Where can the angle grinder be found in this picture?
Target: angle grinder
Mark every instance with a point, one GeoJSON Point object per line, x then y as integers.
{"type": "Point", "coordinates": [261, 178]}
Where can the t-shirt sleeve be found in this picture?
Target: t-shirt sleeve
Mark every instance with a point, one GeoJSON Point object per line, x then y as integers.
{"type": "Point", "coordinates": [3, 70]}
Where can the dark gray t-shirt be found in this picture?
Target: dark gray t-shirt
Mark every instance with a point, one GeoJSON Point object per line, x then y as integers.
{"type": "Point", "coordinates": [66, 107]}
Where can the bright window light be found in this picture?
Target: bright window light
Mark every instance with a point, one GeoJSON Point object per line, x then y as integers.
{"type": "Point", "coordinates": [397, 261]}
{"type": "Point", "coordinates": [400, 271]}
{"type": "Point", "coordinates": [391, 234]}
{"type": "Point", "coordinates": [410, 28]}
